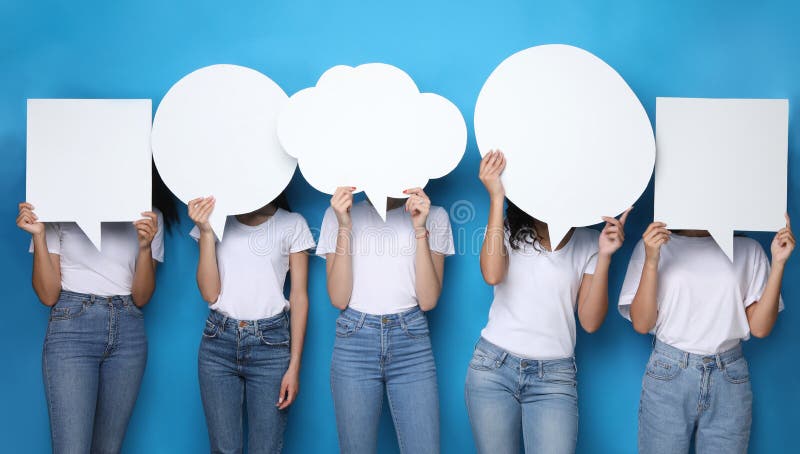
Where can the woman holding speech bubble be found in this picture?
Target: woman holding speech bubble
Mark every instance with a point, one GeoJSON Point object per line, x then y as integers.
{"type": "Point", "coordinates": [95, 349]}
{"type": "Point", "coordinates": [252, 343]}
{"type": "Point", "coordinates": [383, 276]}
{"type": "Point", "coordinates": [681, 287]}
{"type": "Point", "coordinates": [521, 380]}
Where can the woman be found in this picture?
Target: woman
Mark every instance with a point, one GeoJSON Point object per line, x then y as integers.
{"type": "Point", "coordinates": [681, 287]}
{"type": "Point", "coordinates": [383, 276]}
{"type": "Point", "coordinates": [251, 347]}
{"type": "Point", "coordinates": [521, 380]}
{"type": "Point", "coordinates": [95, 349]}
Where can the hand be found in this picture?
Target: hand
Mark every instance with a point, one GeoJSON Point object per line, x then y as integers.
{"type": "Point", "coordinates": [613, 234]}
{"type": "Point", "coordinates": [28, 221]}
{"type": "Point", "coordinates": [418, 204]}
{"type": "Point", "coordinates": [492, 166]}
{"type": "Point", "coordinates": [783, 244]}
{"type": "Point", "coordinates": [199, 211]}
{"type": "Point", "coordinates": [342, 202]}
{"type": "Point", "coordinates": [290, 386]}
{"type": "Point", "coordinates": [146, 229]}
{"type": "Point", "coordinates": [654, 237]}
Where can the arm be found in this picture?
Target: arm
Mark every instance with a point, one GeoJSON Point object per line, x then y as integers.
{"type": "Point", "coordinates": [144, 275]}
{"type": "Point", "coordinates": [429, 272]}
{"type": "Point", "coordinates": [339, 265]}
{"type": "Point", "coordinates": [494, 255]}
{"type": "Point", "coordinates": [762, 314]}
{"type": "Point", "coordinates": [644, 307]}
{"type": "Point", "coordinates": [46, 275]}
{"type": "Point", "coordinates": [298, 303]}
{"type": "Point", "coordinates": [208, 280]}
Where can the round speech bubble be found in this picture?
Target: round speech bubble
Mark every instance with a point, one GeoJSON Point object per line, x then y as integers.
{"type": "Point", "coordinates": [214, 133]}
{"type": "Point", "coordinates": [370, 127]}
{"type": "Point", "coordinates": [578, 142]}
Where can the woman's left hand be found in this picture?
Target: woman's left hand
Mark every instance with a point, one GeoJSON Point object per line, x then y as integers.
{"type": "Point", "coordinates": [613, 234]}
{"type": "Point", "coordinates": [783, 243]}
{"type": "Point", "coordinates": [290, 386]}
{"type": "Point", "coordinates": [418, 204]}
{"type": "Point", "coordinates": [146, 229]}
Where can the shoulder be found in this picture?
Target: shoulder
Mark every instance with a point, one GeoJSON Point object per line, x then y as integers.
{"type": "Point", "coordinates": [438, 213]}
{"type": "Point", "coordinates": [584, 236]}
{"type": "Point", "coordinates": [747, 245]}
{"type": "Point", "coordinates": [291, 217]}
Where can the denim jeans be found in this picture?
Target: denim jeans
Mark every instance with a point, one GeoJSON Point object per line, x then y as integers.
{"type": "Point", "coordinates": [376, 352]}
{"type": "Point", "coordinates": [509, 398]}
{"type": "Point", "coordinates": [241, 364]}
{"type": "Point", "coordinates": [684, 394]}
{"type": "Point", "coordinates": [92, 362]}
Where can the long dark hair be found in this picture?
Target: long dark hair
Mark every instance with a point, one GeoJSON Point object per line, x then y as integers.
{"type": "Point", "coordinates": [520, 227]}
{"type": "Point", "coordinates": [163, 199]}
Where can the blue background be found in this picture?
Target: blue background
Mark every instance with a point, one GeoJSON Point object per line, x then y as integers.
{"type": "Point", "coordinates": [138, 49]}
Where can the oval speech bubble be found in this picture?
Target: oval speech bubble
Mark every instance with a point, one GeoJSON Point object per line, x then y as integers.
{"type": "Point", "coordinates": [214, 134]}
{"type": "Point", "coordinates": [579, 143]}
{"type": "Point", "coordinates": [371, 128]}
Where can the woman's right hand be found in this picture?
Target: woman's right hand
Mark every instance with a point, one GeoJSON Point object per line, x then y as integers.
{"type": "Point", "coordinates": [492, 166]}
{"type": "Point", "coordinates": [654, 237]}
{"type": "Point", "coordinates": [28, 221]}
{"type": "Point", "coordinates": [342, 202]}
{"type": "Point", "coordinates": [200, 210]}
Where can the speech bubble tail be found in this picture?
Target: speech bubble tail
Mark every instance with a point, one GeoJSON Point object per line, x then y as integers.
{"type": "Point", "coordinates": [724, 239]}
{"type": "Point", "coordinates": [217, 220]}
{"type": "Point", "coordinates": [379, 200]}
{"type": "Point", "coordinates": [92, 229]}
{"type": "Point", "coordinates": [557, 233]}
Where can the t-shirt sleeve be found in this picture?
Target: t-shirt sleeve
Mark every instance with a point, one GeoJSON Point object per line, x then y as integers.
{"type": "Point", "coordinates": [300, 236]}
{"type": "Point", "coordinates": [441, 234]}
{"type": "Point", "coordinates": [52, 234]}
{"type": "Point", "coordinates": [758, 280]}
{"type": "Point", "coordinates": [327, 234]}
{"type": "Point", "coordinates": [631, 283]}
{"type": "Point", "coordinates": [591, 251]}
{"type": "Point", "coordinates": [157, 246]}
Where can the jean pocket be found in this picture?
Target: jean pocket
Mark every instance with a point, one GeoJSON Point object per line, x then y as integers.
{"type": "Point", "coordinates": [345, 327]}
{"type": "Point", "coordinates": [67, 311]}
{"type": "Point", "coordinates": [211, 330]}
{"type": "Point", "coordinates": [737, 371]}
{"type": "Point", "coordinates": [134, 310]}
{"type": "Point", "coordinates": [417, 328]}
{"type": "Point", "coordinates": [482, 360]}
{"type": "Point", "coordinates": [277, 336]}
{"type": "Point", "coordinates": [661, 367]}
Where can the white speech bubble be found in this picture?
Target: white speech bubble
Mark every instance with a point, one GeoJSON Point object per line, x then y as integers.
{"type": "Point", "coordinates": [214, 134]}
{"type": "Point", "coordinates": [578, 142]}
{"type": "Point", "coordinates": [722, 165]}
{"type": "Point", "coordinates": [88, 161]}
{"type": "Point", "coordinates": [371, 128]}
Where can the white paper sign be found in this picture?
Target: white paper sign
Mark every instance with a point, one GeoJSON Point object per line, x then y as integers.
{"type": "Point", "coordinates": [88, 161]}
{"type": "Point", "coordinates": [214, 134]}
{"type": "Point", "coordinates": [578, 142]}
{"type": "Point", "coordinates": [722, 165]}
{"type": "Point", "coordinates": [371, 128]}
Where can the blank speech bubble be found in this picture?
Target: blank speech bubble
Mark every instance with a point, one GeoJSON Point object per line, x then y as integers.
{"type": "Point", "coordinates": [722, 165]}
{"type": "Point", "coordinates": [214, 134]}
{"type": "Point", "coordinates": [578, 142]}
{"type": "Point", "coordinates": [371, 128]}
{"type": "Point", "coordinates": [88, 161]}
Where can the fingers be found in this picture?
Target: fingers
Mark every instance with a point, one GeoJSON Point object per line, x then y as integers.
{"type": "Point", "coordinates": [624, 216]}
{"type": "Point", "coordinates": [492, 164]}
{"type": "Point", "coordinates": [287, 396]}
{"type": "Point", "coordinates": [26, 205]}
{"type": "Point", "coordinates": [282, 394]}
{"type": "Point", "coordinates": [653, 226]}
{"type": "Point", "coordinates": [416, 191]}
{"type": "Point", "coordinates": [788, 221]}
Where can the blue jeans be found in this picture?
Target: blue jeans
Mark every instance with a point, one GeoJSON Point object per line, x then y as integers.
{"type": "Point", "coordinates": [243, 362]}
{"type": "Point", "coordinates": [373, 352]}
{"type": "Point", "coordinates": [684, 394]}
{"type": "Point", "coordinates": [509, 398]}
{"type": "Point", "coordinates": [92, 362]}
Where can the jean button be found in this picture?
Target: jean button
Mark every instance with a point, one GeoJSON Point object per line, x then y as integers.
{"type": "Point", "coordinates": [385, 320]}
{"type": "Point", "coordinates": [523, 364]}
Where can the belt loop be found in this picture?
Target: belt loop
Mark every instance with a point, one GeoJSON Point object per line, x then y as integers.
{"type": "Point", "coordinates": [685, 360]}
{"type": "Point", "coordinates": [224, 322]}
{"type": "Point", "coordinates": [361, 320]}
{"type": "Point", "coordinates": [718, 358]}
{"type": "Point", "coordinates": [541, 368]}
{"type": "Point", "coordinates": [402, 318]}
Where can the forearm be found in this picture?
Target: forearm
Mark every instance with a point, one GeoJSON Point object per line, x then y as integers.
{"type": "Point", "coordinates": [46, 277]}
{"type": "Point", "coordinates": [208, 280]}
{"type": "Point", "coordinates": [428, 283]}
{"type": "Point", "coordinates": [494, 257]}
{"type": "Point", "coordinates": [592, 312]}
{"type": "Point", "coordinates": [340, 270]}
{"type": "Point", "coordinates": [144, 277]}
{"type": "Point", "coordinates": [297, 321]}
{"type": "Point", "coordinates": [763, 314]}
{"type": "Point", "coordinates": [644, 307]}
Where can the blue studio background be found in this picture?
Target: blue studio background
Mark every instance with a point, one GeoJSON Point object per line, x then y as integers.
{"type": "Point", "coordinates": [138, 49]}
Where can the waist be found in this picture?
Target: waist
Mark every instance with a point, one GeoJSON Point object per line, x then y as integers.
{"type": "Point", "coordinates": [69, 296]}
{"type": "Point", "coordinates": [223, 321]}
{"type": "Point", "coordinates": [686, 358]}
{"type": "Point", "coordinates": [385, 320]}
{"type": "Point", "coordinates": [518, 362]}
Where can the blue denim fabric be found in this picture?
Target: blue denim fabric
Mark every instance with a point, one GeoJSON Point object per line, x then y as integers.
{"type": "Point", "coordinates": [392, 352]}
{"type": "Point", "coordinates": [244, 362]}
{"type": "Point", "coordinates": [511, 398]}
{"type": "Point", "coordinates": [684, 394]}
{"type": "Point", "coordinates": [92, 362]}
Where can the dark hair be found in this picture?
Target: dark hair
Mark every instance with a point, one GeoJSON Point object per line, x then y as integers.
{"type": "Point", "coordinates": [519, 225]}
{"type": "Point", "coordinates": [281, 202]}
{"type": "Point", "coordinates": [163, 199]}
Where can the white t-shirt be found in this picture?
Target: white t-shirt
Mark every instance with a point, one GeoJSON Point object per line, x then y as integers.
{"type": "Point", "coordinates": [702, 296]}
{"type": "Point", "coordinates": [253, 262]}
{"type": "Point", "coordinates": [384, 255]}
{"type": "Point", "coordinates": [108, 272]}
{"type": "Point", "coordinates": [533, 312]}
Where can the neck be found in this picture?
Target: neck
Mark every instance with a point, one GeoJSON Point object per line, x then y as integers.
{"type": "Point", "coordinates": [543, 235]}
{"type": "Point", "coordinates": [258, 216]}
{"type": "Point", "coordinates": [692, 233]}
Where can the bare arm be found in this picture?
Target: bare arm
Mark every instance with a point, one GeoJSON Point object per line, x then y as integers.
{"type": "Point", "coordinates": [208, 280]}
{"type": "Point", "coordinates": [429, 266]}
{"type": "Point", "coordinates": [298, 303]}
{"type": "Point", "coordinates": [494, 255]}
{"type": "Point", "coordinates": [144, 275]}
{"type": "Point", "coordinates": [46, 274]}
{"type": "Point", "coordinates": [644, 307]}
{"type": "Point", "coordinates": [339, 264]}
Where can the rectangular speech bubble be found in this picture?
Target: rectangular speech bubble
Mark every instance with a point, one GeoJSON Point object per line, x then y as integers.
{"type": "Point", "coordinates": [721, 165]}
{"type": "Point", "coordinates": [89, 161]}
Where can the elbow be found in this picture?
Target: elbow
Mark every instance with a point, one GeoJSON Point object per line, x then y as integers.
{"type": "Point", "coordinates": [341, 305]}
{"type": "Point", "coordinates": [641, 328]}
{"type": "Point", "coordinates": [426, 306]}
{"type": "Point", "coordinates": [49, 301]}
{"type": "Point", "coordinates": [210, 297]}
{"type": "Point", "coordinates": [492, 279]}
{"type": "Point", "coordinates": [760, 332]}
{"type": "Point", "coordinates": [591, 327]}
{"type": "Point", "coordinates": [48, 297]}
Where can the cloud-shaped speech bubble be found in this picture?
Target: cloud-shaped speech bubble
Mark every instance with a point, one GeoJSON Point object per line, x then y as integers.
{"type": "Point", "coordinates": [214, 134]}
{"type": "Point", "coordinates": [722, 165]}
{"type": "Point", "coordinates": [370, 127]}
{"type": "Point", "coordinates": [88, 161]}
{"type": "Point", "coordinates": [578, 142]}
